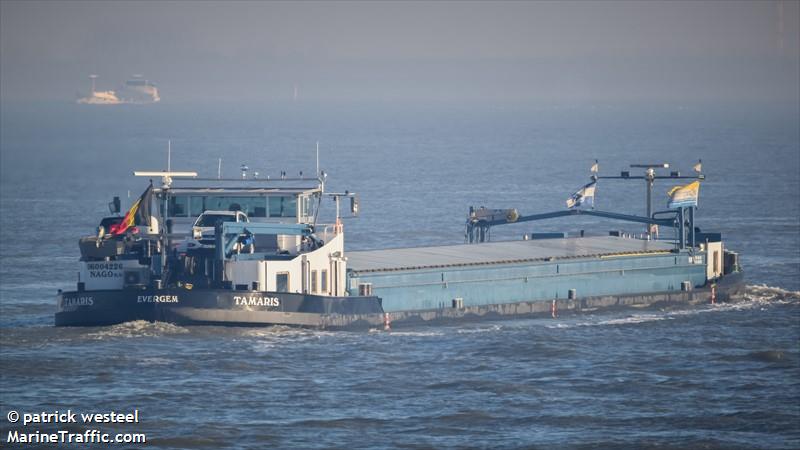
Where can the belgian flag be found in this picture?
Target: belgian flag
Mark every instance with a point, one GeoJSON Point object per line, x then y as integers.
{"type": "Point", "coordinates": [139, 214]}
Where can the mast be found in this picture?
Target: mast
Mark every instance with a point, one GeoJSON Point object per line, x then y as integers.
{"type": "Point", "coordinates": [649, 178]}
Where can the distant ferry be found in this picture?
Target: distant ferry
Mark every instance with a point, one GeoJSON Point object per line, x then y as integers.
{"type": "Point", "coordinates": [136, 90]}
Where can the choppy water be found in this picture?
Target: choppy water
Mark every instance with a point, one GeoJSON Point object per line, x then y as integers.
{"type": "Point", "coordinates": [712, 376]}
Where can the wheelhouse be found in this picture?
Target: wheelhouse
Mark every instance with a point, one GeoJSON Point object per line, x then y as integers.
{"type": "Point", "coordinates": [267, 201]}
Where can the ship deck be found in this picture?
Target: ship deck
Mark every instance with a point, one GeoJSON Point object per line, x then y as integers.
{"type": "Point", "coordinates": [507, 252]}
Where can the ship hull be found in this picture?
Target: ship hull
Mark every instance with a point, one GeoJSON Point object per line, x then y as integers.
{"type": "Point", "coordinates": [210, 307]}
{"type": "Point", "coordinates": [256, 308]}
{"type": "Point", "coordinates": [726, 289]}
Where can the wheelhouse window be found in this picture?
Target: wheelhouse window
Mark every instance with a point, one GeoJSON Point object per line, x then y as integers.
{"type": "Point", "coordinates": [188, 205]}
{"type": "Point", "coordinates": [196, 205]}
{"type": "Point", "coordinates": [179, 206]}
{"type": "Point", "coordinates": [305, 206]}
{"type": "Point", "coordinates": [282, 282]}
{"type": "Point", "coordinates": [252, 206]}
{"type": "Point", "coordinates": [283, 206]}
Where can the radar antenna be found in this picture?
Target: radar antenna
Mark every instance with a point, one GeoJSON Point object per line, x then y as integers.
{"type": "Point", "coordinates": [166, 177]}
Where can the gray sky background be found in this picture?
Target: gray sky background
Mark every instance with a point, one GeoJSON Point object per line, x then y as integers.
{"type": "Point", "coordinates": [517, 51]}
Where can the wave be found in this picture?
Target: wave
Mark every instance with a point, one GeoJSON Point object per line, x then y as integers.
{"type": "Point", "coordinates": [628, 320]}
{"type": "Point", "coordinates": [764, 293]}
{"type": "Point", "coordinates": [394, 332]}
{"type": "Point", "coordinates": [136, 329]}
{"type": "Point", "coordinates": [155, 361]}
{"type": "Point", "coordinates": [415, 333]}
{"type": "Point", "coordinates": [266, 339]}
{"type": "Point", "coordinates": [772, 356]}
{"type": "Point", "coordinates": [284, 331]}
{"type": "Point", "coordinates": [490, 329]}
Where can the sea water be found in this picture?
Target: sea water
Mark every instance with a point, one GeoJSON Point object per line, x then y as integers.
{"type": "Point", "coordinates": [713, 376]}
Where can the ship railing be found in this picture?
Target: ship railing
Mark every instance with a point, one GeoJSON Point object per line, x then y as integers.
{"type": "Point", "coordinates": [326, 232]}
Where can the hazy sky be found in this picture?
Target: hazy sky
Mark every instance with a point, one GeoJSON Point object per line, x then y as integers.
{"type": "Point", "coordinates": [529, 51]}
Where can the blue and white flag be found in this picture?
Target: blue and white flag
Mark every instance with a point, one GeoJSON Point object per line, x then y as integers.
{"type": "Point", "coordinates": [683, 196]}
{"type": "Point", "coordinates": [584, 195]}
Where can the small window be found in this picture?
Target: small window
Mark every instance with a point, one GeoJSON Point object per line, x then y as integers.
{"type": "Point", "coordinates": [305, 209]}
{"type": "Point", "coordinates": [323, 282]}
{"type": "Point", "coordinates": [178, 206]}
{"type": "Point", "coordinates": [290, 208]}
{"type": "Point", "coordinates": [314, 281]}
{"type": "Point", "coordinates": [283, 207]}
{"type": "Point", "coordinates": [196, 206]}
{"type": "Point", "coordinates": [282, 282]}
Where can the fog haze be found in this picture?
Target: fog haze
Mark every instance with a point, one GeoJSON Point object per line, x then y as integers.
{"type": "Point", "coordinates": [534, 51]}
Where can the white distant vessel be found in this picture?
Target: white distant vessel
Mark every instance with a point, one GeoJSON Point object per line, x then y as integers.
{"type": "Point", "coordinates": [96, 97]}
{"type": "Point", "coordinates": [136, 90]}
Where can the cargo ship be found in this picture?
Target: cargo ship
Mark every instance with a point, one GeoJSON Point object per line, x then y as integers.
{"type": "Point", "coordinates": [250, 251]}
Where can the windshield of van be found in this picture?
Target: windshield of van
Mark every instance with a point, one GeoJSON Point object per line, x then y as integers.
{"type": "Point", "coordinates": [210, 220]}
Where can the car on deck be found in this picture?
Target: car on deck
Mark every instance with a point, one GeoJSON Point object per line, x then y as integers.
{"type": "Point", "coordinates": [203, 230]}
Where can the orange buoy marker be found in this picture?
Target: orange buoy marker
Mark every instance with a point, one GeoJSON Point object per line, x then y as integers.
{"type": "Point", "coordinates": [713, 294]}
{"type": "Point", "coordinates": [387, 324]}
{"type": "Point", "coordinates": [554, 310]}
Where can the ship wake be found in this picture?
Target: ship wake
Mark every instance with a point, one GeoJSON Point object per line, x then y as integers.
{"type": "Point", "coordinates": [137, 329]}
{"type": "Point", "coordinates": [768, 294]}
{"type": "Point", "coordinates": [754, 297]}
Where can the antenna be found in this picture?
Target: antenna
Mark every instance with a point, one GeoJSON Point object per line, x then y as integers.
{"type": "Point", "coordinates": [780, 25]}
{"type": "Point", "coordinates": [169, 155]}
{"type": "Point", "coordinates": [317, 158]}
{"type": "Point", "coordinates": [219, 169]}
